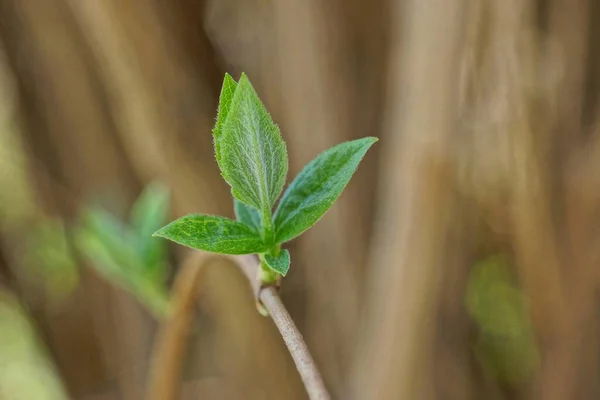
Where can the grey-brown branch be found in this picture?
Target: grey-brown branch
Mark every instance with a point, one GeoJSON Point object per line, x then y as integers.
{"type": "Point", "coordinates": [270, 300]}
{"type": "Point", "coordinates": [313, 382]}
{"type": "Point", "coordinates": [167, 360]}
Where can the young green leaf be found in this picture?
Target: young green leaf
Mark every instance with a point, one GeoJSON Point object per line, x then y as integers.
{"type": "Point", "coordinates": [280, 263]}
{"type": "Point", "coordinates": [107, 263]}
{"type": "Point", "coordinates": [150, 210]}
{"type": "Point", "coordinates": [505, 343]}
{"type": "Point", "coordinates": [227, 91]}
{"type": "Point", "coordinates": [247, 215]}
{"type": "Point", "coordinates": [148, 214]}
{"type": "Point", "coordinates": [317, 187]}
{"type": "Point", "coordinates": [103, 257]}
{"type": "Point", "coordinates": [250, 151]}
{"type": "Point", "coordinates": [115, 237]}
{"type": "Point", "coordinates": [48, 254]}
{"type": "Point", "coordinates": [213, 233]}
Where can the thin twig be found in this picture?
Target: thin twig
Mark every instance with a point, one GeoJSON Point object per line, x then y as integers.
{"type": "Point", "coordinates": [169, 349]}
{"type": "Point", "coordinates": [313, 382]}
{"type": "Point", "coordinates": [270, 300]}
{"type": "Point", "coordinates": [165, 372]}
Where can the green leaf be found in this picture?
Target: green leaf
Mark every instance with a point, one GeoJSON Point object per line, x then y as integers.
{"type": "Point", "coordinates": [227, 91]}
{"type": "Point", "coordinates": [148, 290]}
{"type": "Point", "coordinates": [506, 344]}
{"type": "Point", "coordinates": [114, 236]}
{"type": "Point", "coordinates": [148, 214]}
{"type": "Point", "coordinates": [247, 215]}
{"type": "Point", "coordinates": [317, 187]}
{"type": "Point", "coordinates": [109, 246]}
{"type": "Point", "coordinates": [114, 250]}
{"type": "Point", "coordinates": [50, 257]}
{"type": "Point", "coordinates": [250, 151]}
{"type": "Point", "coordinates": [280, 263]}
{"type": "Point", "coordinates": [213, 233]}
{"type": "Point", "coordinates": [101, 258]}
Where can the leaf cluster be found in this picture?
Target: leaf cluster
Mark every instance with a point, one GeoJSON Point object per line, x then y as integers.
{"type": "Point", "coordinates": [253, 160]}
{"type": "Point", "coordinates": [126, 254]}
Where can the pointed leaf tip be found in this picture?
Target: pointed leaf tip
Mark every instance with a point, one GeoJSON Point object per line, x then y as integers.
{"type": "Point", "coordinates": [225, 98]}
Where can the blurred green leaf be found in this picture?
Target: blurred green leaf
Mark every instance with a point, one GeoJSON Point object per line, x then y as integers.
{"type": "Point", "coordinates": [49, 256]}
{"type": "Point", "coordinates": [128, 255]}
{"type": "Point", "coordinates": [148, 214]}
{"type": "Point", "coordinates": [100, 256]}
{"type": "Point", "coordinates": [512, 361]}
{"type": "Point", "coordinates": [506, 345]}
{"type": "Point", "coordinates": [116, 238]}
{"type": "Point", "coordinates": [150, 210]}
{"type": "Point", "coordinates": [149, 291]}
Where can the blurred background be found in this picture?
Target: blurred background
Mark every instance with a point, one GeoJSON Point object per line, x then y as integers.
{"type": "Point", "coordinates": [460, 263]}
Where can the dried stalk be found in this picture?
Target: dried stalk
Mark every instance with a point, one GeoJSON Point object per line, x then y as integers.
{"type": "Point", "coordinates": [167, 361]}
{"type": "Point", "coordinates": [396, 357]}
{"type": "Point", "coordinates": [167, 358]}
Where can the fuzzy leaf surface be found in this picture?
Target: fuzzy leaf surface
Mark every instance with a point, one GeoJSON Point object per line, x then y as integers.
{"type": "Point", "coordinates": [317, 187]}
{"type": "Point", "coordinates": [247, 215]}
{"type": "Point", "coordinates": [250, 150]}
{"type": "Point", "coordinates": [227, 92]}
{"type": "Point", "coordinates": [214, 234]}
{"type": "Point", "coordinates": [280, 263]}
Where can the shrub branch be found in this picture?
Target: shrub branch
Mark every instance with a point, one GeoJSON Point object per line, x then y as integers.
{"type": "Point", "coordinates": [169, 350]}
